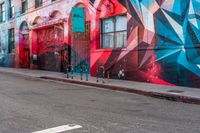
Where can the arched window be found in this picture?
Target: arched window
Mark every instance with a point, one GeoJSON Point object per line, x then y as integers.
{"type": "Point", "coordinates": [37, 20]}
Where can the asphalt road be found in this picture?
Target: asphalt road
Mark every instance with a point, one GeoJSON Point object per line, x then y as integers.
{"type": "Point", "coordinates": [29, 104]}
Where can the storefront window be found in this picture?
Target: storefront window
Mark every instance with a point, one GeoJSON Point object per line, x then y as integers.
{"type": "Point", "coordinates": [114, 32]}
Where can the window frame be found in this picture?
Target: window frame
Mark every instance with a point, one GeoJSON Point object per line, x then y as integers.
{"type": "Point", "coordinates": [102, 46]}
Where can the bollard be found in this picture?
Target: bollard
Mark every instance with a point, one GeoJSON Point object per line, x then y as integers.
{"type": "Point", "coordinates": [97, 75]}
{"type": "Point", "coordinates": [86, 74]}
{"type": "Point", "coordinates": [84, 70]}
{"type": "Point", "coordinates": [72, 69]}
{"type": "Point", "coordinates": [81, 70]}
{"type": "Point", "coordinates": [67, 72]}
{"type": "Point", "coordinates": [103, 76]}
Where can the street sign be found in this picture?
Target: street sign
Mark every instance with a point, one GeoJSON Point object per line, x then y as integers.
{"type": "Point", "coordinates": [78, 19]}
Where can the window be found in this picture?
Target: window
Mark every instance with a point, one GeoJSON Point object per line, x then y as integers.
{"type": "Point", "coordinates": [38, 3]}
{"type": "Point", "coordinates": [24, 6]}
{"type": "Point", "coordinates": [11, 40]}
{"type": "Point", "coordinates": [11, 8]}
{"type": "Point", "coordinates": [92, 1]}
{"type": "Point", "coordinates": [114, 32]}
{"type": "Point", "coordinates": [2, 12]}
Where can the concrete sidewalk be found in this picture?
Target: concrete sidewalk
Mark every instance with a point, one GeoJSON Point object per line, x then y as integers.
{"type": "Point", "coordinates": [175, 93]}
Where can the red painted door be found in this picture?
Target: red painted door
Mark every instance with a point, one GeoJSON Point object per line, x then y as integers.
{"type": "Point", "coordinates": [25, 63]}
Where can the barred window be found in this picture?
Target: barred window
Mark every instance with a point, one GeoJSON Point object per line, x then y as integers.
{"type": "Point", "coordinates": [114, 32]}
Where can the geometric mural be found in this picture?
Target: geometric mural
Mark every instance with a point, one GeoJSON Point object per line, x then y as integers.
{"type": "Point", "coordinates": [168, 42]}
{"type": "Point", "coordinates": [173, 31]}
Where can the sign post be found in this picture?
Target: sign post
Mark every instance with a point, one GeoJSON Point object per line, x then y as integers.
{"type": "Point", "coordinates": [78, 29]}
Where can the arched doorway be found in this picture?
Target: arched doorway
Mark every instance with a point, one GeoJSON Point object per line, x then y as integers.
{"type": "Point", "coordinates": [64, 49]}
{"type": "Point", "coordinates": [24, 47]}
{"type": "Point", "coordinates": [80, 40]}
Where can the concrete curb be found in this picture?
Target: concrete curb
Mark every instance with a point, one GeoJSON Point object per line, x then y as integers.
{"type": "Point", "coordinates": [171, 97]}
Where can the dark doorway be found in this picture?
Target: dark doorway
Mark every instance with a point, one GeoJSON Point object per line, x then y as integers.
{"type": "Point", "coordinates": [65, 59]}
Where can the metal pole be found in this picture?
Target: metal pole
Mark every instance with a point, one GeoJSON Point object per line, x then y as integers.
{"type": "Point", "coordinates": [103, 75]}
{"type": "Point", "coordinates": [97, 74]}
{"type": "Point", "coordinates": [86, 74]}
{"type": "Point", "coordinates": [72, 69]}
{"type": "Point", "coordinates": [67, 71]}
{"type": "Point", "coordinates": [81, 73]}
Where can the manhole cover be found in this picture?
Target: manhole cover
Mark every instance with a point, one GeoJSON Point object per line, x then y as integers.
{"type": "Point", "coordinates": [176, 91]}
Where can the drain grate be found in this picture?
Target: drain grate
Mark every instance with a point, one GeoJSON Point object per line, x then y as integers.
{"type": "Point", "coordinates": [175, 91]}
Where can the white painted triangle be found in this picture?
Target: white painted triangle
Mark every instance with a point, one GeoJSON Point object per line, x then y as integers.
{"type": "Point", "coordinates": [176, 26]}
